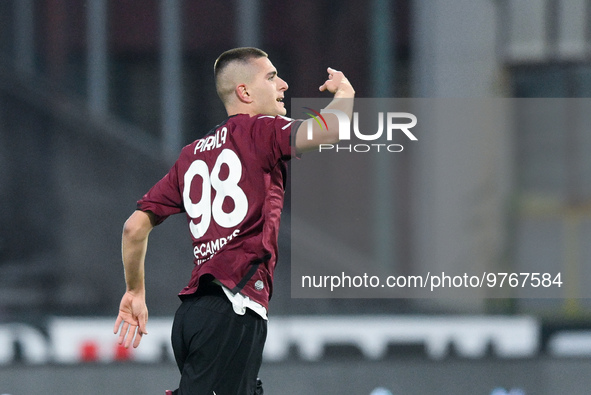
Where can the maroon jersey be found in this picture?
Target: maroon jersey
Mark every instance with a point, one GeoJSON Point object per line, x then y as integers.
{"type": "Point", "coordinates": [231, 186]}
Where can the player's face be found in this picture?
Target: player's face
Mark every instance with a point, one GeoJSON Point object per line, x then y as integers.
{"type": "Point", "coordinates": [267, 89]}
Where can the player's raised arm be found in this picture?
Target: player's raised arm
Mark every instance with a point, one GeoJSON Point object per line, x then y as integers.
{"type": "Point", "coordinates": [133, 312]}
{"type": "Point", "coordinates": [344, 93]}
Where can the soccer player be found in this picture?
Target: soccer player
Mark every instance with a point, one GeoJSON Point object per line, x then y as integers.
{"type": "Point", "coordinates": [230, 184]}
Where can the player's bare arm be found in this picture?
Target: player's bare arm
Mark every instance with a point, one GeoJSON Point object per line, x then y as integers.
{"type": "Point", "coordinates": [344, 93]}
{"type": "Point", "coordinates": [133, 312]}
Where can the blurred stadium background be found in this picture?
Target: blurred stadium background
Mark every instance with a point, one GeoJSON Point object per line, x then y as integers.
{"type": "Point", "coordinates": [97, 96]}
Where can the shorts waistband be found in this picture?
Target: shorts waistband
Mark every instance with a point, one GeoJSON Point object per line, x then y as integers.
{"type": "Point", "coordinates": [205, 289]}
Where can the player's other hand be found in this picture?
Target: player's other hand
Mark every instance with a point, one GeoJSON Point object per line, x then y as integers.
{"type": "Point", "coordinates": [132, 319]}
{"type": "Point", "coordinates": [337, 84]}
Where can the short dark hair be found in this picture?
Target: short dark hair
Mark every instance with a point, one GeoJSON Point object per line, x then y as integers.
{"type": "Point", "coordinates": [243, 54]}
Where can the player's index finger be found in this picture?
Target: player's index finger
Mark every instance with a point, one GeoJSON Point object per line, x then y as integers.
{"type": "Point", "coordinates": [138, 338]}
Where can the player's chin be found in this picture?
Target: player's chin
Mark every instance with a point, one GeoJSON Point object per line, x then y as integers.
{"type": "Point", "coordinates": [277, 110]}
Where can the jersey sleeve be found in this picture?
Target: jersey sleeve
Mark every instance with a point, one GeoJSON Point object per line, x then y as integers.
{"type": "Point", "coordinates": [275, 137]}
{"type": "Point", "coordinates": [164, 198]}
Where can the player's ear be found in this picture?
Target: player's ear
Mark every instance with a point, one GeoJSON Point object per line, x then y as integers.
{"type": "Point", "coordinates": [242, 93]}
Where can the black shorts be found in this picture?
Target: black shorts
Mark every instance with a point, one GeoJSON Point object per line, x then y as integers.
{"type": "Point", "coordinates": [215, 348]}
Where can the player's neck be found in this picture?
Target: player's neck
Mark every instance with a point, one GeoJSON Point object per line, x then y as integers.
{"type": "Point", "coordinates": [240, 108]}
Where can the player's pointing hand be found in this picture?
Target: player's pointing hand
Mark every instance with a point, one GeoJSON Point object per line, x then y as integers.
{"type": "Point", "coordinates": [337, 84]}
